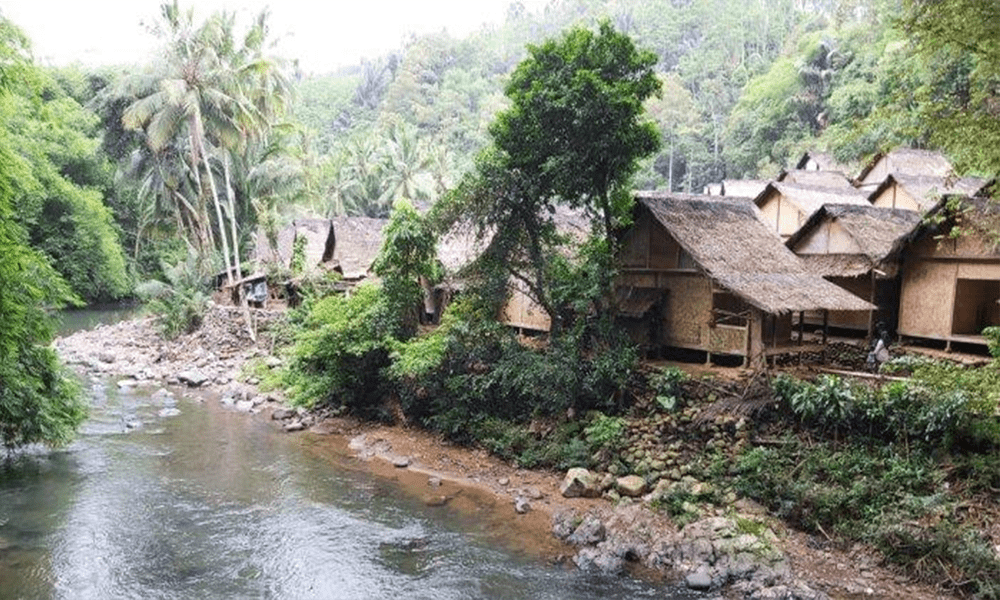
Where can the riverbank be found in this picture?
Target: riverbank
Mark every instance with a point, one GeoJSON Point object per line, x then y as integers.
{"type": "Point", "coordinates": [522, 506]}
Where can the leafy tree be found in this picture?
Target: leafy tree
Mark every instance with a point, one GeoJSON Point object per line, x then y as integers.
{"type": "Point", "coordinates": [38, 402]}
{"type": "Point", "coordinates": [575, 127]}
{"type": "Point", "coordinates": [573, 135]}
{"type": "Point", "coordinates": [958, 43]}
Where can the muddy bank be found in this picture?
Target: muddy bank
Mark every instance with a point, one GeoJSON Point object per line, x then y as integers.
{"type": "Point", "coordinates": [736, 550]}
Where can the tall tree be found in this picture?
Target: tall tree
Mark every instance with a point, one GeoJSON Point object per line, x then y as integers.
{"type": "Point", "coordinates": [573, 135]}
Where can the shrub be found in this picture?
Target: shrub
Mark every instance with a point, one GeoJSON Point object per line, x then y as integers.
{"type": "Point", "coordinates": [666, 385]}
{"type": "Point", "coordinates": [180, 303]}
{"type": "Point", "coordinates": [992, 335]}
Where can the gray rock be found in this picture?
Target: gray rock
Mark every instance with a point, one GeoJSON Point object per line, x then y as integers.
{"type": "Point", "coordinates": [699, 580]}
{"type": "Point", "coordinates": [534, 493]}
{"type": "Point", "coordinates": [434, 482]}
{"type": "Point", "coordinates": [106, 357]}
{"type": "Point", "coordinates": [193, 378]}
{"type": "Point", "coordinates": [632, 486]}
{"type": "Point", "coordinates": [594, 560]}
{"type": "Point", "coordinates": [521, 505]}
{"type": "Point", "coordinates": [295, 426]}
{"type": "Point", "coordinates": [272, 362]}
{"type": "Point", "coordinates": [504, 481]}
{"type": "Point", "coordinates": [589, 531]}
{"type": "Point", "coordinates": [400, 462]}
{"type": "Point", "coordinates": [283, 413]}
{"type": "Point", "coordinates": [169, 412]}
{"type": "Point", "coordinates": [125, 383]}
{"type": "Point", "coordinates": [580, 483]}
{"type": "Point", "coordinates": [244, 406]}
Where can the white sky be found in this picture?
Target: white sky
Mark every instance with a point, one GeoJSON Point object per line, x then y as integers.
{"type": "Point", "coordinates": [322, 34]}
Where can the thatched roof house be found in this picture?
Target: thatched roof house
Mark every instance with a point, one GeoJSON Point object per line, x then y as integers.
{"type": "Point", "coordinates": [357, 241]}
{"type": "Point", "coordinates": [920, 193]}
{"type": "Point", "coordinates": [814, 178]}
{"type": "Point", "coordinates": [317, 233]}
{"type": "Point", "coordinates": [847, 240]}
{"type": "Point", "coordinates": [725, 282]}
{"type": "Point", "coordinates": [903, 161]}
{"type": "Point", "coordinates": [857, 248]}
{"type": "Point", "coordinates": [950, 287]}
{"type": "Point", "coordinates": [785, 207]}
{"type": "Point", "coordinates": [743, 188]}
{"type": "Point", "coordinates": [820, 161]}
{"type": "Point", "coordinates": [461, 247]}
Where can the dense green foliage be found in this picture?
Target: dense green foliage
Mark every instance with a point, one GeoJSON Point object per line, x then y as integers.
{"type": "Point", "coordinates": [61, 184]}
{"type": "Point", "coordinates": [179, 303]}
{"type": "Point", "coordinates": [38, 402]}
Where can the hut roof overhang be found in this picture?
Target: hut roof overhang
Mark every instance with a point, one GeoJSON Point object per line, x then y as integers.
{"type": "Point", "coordinates": [876, 231]}
{"type": "Point", "coordinates": [810, 199]}
{"type": "Point", "coordinates": [357, 241]}
{"type": "Point", "coordinates": [927, 190]}
{"type": "Point", "coordinates": [976, 215]}
{"type": "Point", "coordinates": [813, 178]}
{"type": "Point", "coordinates": [734, 248]}
{"type": "Point", "coordinates": [910, 161]}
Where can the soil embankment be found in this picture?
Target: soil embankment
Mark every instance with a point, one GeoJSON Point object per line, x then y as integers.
{"type": "Point", "coordinates": [520, 508]}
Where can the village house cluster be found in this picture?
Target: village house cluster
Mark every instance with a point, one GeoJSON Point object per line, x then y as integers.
{"type": "Point", "coordinates": [756, 268]}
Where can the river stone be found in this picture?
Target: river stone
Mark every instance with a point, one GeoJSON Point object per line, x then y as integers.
{"type": "Point", "coordinates": [631, 485]}
{"type": "Point", "coordinates": [589, 531]}
{"type": "Point", "coordinates": [169, 412]}
{"type": "Point", "coordinates": [400, 462]}
{"type": "Point", "coordinates": [272, 362]}
{"type": "Point", "coordinates": [244, 406]}
{"type": "Point", "coordinates": [580, 483]}
{"type": "Point", "coordinates": [192, 378]}
{"type": "Point", "coordinates": [106, 357]}
{"type": "Point", "coordinates": [699, 580]}
{"type": "Point", "coordinates": [521, 505]}
{"type": "Point", "coordinates": [295, 426]}
{"type": "Point", "coordinates": [283, 413]}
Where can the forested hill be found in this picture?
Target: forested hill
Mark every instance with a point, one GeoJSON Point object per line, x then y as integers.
{"type": "Point", "coordinates": [747, 86]}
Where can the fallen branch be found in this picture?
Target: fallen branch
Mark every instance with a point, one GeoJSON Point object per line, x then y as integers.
{"type": "Point", "coordinates": [863, 375]}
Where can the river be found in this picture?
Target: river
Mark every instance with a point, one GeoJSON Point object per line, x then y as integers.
{"type": "Point", "coordinates": [183, 498]}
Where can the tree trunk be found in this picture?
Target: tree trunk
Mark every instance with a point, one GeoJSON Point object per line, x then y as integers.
{"type": "Point", "coordinates": [218, 208]}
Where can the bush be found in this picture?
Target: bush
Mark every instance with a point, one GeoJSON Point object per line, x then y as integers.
{"type": "Point", "coordinates": [181, 304]}
{"type": "Point", "coordinates": [992, 335]}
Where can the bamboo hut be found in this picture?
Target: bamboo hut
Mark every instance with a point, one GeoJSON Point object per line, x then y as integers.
{"type": "Point", "coordinates": [356, 244]}
{"type": "Point", "coordinates": [903, 161]}
{"type": "Point", "coordinates": [318, 236]}
{"type": "Point", "coordinates": [743, 188]}
{"type": "Point", "coordinates": [785, 207]}
{"type": "Point", "coordinates": [950, 287]}
{"type": "Point", "coordinates": [461, 247]}
{"type": "Point", "coordinates": [820, 161]}
{"type": "Point", "coordinates": [921, 193]}
{"type": "Point", "coordinates": [856, 247]}
{"type": "Point", "coordinates": [708, 275]}
{"type": "Point", "coordinates": [834, 180]}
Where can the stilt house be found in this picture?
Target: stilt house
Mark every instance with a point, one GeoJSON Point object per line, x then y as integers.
{"type": "Point", "coordinates": [857, 248]}
{"type": "Point", "coordinates": [785, 207]}
{"type": "Point", "coordinates": [921, 193]}
{"type": "Point", "coordinates": [951, 273]}
{"type": "Point", "coordinates": [707, 274]}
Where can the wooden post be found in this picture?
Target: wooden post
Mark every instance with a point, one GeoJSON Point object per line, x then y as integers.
{"type": "Point", "coordinates": [802, 314]}
{"type": "Point", "coordinates": [755, 351]}
{"type": "Point", "coordinates": [826, 325]}
{"type": "Point", "coordinates": [871, 313]}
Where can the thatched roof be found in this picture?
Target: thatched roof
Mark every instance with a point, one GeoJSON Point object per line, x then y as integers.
{"type": "Point", "coordinates": [977, 216]}
{"type": "Point", "coordinates": [926, 190]}
{"type": "Point", "coordinates": [909, 161]}
{"type": "Point", "coordinates": [821, 179]}
{"type": "Point", "coordinates": [875, 231]}
{"type": "Point", "coordinates": [743, 188]}
{"type": "Point", "coordinates": [357, 244]}
{"type": "Point", "coordinates": [733, 247]}
{"type": "Point", "coordinates": [318, 234]}
{"type": "Point", "coordinates": [821, 161]}
{"type": "Point", "coordinates": [809, 199]}
{"type": "Point", "coordinates": [461, 246]}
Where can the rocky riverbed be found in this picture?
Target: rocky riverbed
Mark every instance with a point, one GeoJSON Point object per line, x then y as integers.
{"type": "Point", "coordinates": [606, 523]}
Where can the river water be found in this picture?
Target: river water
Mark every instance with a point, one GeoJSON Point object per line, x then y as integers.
{"type": "Point", "coordinates": [183, 498]}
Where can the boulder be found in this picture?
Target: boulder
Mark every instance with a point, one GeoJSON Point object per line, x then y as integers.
{"type": "Point", "coordinates": [631, 486]}
{"type": "Point", "coordinates": [283, 413]}
{"type": "Point", "coordinates": [580, 483]}
{"type": "Point", "coordinates": [521, 505]}
{"type": "Point", "coordinates": [589, 531]}
{"type": "Point", "coordinates": [295, 426]}
{"type": "Point", "coordinates": [400, 462]}
{"type": "Point", "coordinates": [699, 580]}
{"type": "Point", "coordinates": [192, 378]}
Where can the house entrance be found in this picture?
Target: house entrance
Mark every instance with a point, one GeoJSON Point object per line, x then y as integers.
{"type": "Point", "coordinates": [976, 306]}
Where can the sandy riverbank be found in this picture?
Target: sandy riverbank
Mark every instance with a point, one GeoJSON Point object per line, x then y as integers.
{"type": "Point", "coordinates": [470, 480]}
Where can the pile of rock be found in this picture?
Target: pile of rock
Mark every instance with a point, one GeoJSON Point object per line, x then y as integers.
{"type": "Point", "coordinates": [710, 553]}
{"type": "Point", "coordinates": [134, 349]}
